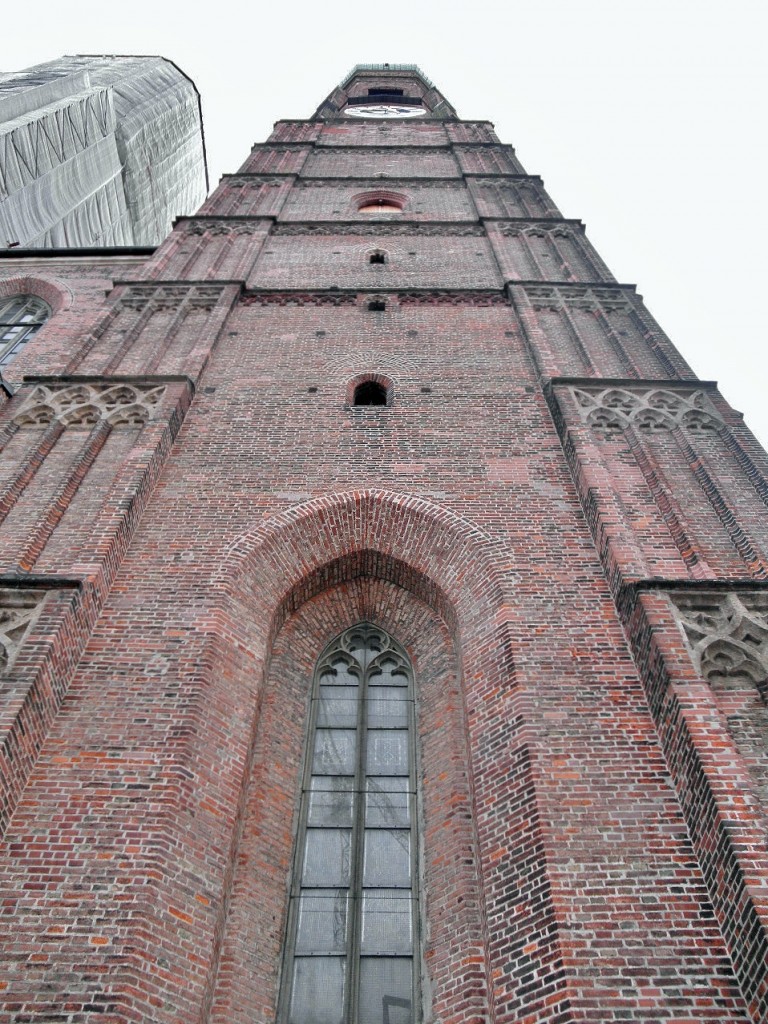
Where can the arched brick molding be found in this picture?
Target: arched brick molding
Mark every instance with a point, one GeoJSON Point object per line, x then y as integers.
{"type": "Point", "coordinates": [363, 378]}
{"type": "Point", "coordinates": [453, 943]}
{"type": "Point", "coordinates": [56, 293]}
{"type": "Point", "coordinates": [314, 563]}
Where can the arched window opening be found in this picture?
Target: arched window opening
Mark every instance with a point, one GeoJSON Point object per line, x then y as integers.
{"type": "Point", "coordinates": [370, 392]}
{"type": "Point", "coordinates": [377, 257]}
{"type": "Point", "coordinates": [351, 953]}
{"type": "Point", "coordinates": [380, 206]}
{"type": "Point", "coordinates": [377, 305]}
{"type": "Point", "coordinates": [21, 317]}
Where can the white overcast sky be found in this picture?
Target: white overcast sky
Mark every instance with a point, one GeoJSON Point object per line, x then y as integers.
{"type": "Point", "coordinates": [646, 120]}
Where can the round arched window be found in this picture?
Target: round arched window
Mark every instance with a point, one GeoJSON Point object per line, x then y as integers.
{"type": "Point", "coordinates": [380, 201]}
{"type": "Point", "coordinates": [21, 317]}
{"type": "Point", "coordinates": [381, 206]}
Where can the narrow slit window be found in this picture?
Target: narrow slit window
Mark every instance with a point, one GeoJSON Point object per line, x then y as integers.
{"type": "Point", "coordinates": [351, 954]}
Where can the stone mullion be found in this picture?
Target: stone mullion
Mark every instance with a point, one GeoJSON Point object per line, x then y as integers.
{"type": "Point", "coordinates": [727, 515]}
{"type": "Point", "coordinates": [28, 469]}
{"type": "Point", "coordinates": [668, 506]}
{"type": "Point", "coordinates": [62, 499]}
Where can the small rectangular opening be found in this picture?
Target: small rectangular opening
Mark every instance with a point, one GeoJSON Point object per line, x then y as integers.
{"type": "Point", "coordinates": [381, 90]}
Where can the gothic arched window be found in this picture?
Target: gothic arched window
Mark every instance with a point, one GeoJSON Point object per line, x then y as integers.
{"type": "Point", "coordinates": [351, 950]}
{"type": "Point", "coordinates": [21, 317]}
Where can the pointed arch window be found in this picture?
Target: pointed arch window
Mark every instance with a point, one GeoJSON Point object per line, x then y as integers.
{"type": "Point", "coordinates": [351, 949]}
{"type": "Point", "coordinates": [21, 317]}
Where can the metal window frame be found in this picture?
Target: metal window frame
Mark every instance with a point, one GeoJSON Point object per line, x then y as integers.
{"type": "Point", "coordinates": [353, 953]}
{"type": "Point", "coordinates": [29, 317]}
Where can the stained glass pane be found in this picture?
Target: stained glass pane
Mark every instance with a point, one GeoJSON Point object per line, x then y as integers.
{"type": "Point", "coordinates": [322, 921]}
{"type": "Point", "coordinates": [330, 800]}
{"type": "Point", "coordinates": [317, 992]}
{"type": "Point", "coordinates": [387, 752]}
{"type": "Point", "coordinates": [334, 752]}
{"type": "Point", "coordinates": [327, 857]}
{"type": "Point", "coordinates": [387, 921]}
{"type": "Point", "coordinates": [387, 857]}
{"type": "Point", "coordinates": [354, 909]}
{"type": "Point", "coordinates": [387, 707]}
{"type": "Point", "coordinates": [337, 706]}
{"type": "Point", "coordinates": [386, 991]}
{"type": "Point", "coordinates": [387, 802]}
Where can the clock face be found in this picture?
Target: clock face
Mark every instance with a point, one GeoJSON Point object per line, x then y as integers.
{"type": "Point", "coordinates": [384, 110]}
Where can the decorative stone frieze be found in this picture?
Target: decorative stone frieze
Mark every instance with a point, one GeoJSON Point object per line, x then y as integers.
{"type": "Point", "coordinates": [595, 299]}
{"type": "Point", "coordinates": [224, 227]}
{"type": "Point", "coordinates": [650, 410]}
{"type": "Point", "coordinates": [140, 298]}
{"type": "Point", "coordinates": [380, 228]}
{"type": "Point", "coordinates": [540, 229]}
{"type": "Point", "coordinates": [18, 611]}
{"type": "Point", "coordinates": [121, 405]}
{"type": "Point", "coordinates": [298, 299]}
{"type": "Point", "coordinates": [727, 635]}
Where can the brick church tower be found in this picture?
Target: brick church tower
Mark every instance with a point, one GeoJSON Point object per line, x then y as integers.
{"type": "Point", "coordinates": [384, 611]}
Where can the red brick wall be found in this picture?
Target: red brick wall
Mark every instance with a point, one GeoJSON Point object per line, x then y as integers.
{"type": "Point", "coordinates": [196, 510]}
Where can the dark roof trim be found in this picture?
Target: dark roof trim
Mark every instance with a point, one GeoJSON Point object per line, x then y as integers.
{"type": "Point", "coordinates": [96, 250]}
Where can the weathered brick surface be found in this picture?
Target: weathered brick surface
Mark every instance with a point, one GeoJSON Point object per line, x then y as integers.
{"type": "Point", "coordinates": [389, 161]}
{"type": "Point", "coordinates": [546, 476]}
{"type": "Point", "coordinates": [413, 261]}
{"type": "Point", "coordinates": [318, 199]}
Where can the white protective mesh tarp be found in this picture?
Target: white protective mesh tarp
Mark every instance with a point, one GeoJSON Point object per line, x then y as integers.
{"type": "Point", "coordinates": [98, 151]}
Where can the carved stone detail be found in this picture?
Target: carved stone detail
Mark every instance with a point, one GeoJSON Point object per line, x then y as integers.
{"type": "Point", "coordinates": [457, 298]}
{"type": "Point", "coordinates": [121, 405]}
{"type": "Point", "coordinates": [170, 297]}
{"type": "Point", "coordinates": [224, 227]}
{"type": "Point", "coordinates": [556, 297]}
{"type": "Point", "coordinates": [650, 410]}
{"type": "Point", "coordinates": [298, 299]}
{"type": "Point", "coordinates": [18, 611]}
{"type": "Point", "coordinates": [431, 185]}
{"type": "Point", "coordinates": [506, 181]}
{"type": "Point", "coordinates": [727, 635]}
{"type": "Point", "coordinates": [539, 230]}
{"type": "Point", "coordinates": [256, 181]}
{"type": "Point", "coordinates": [347, 228]}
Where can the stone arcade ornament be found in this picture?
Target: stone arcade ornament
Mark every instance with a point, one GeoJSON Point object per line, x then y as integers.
{"type": "Point", "coordinates": [385, 110]}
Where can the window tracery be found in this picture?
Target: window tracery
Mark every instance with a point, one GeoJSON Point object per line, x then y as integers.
{"type": "Point", "coordinates": [353, 920]}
